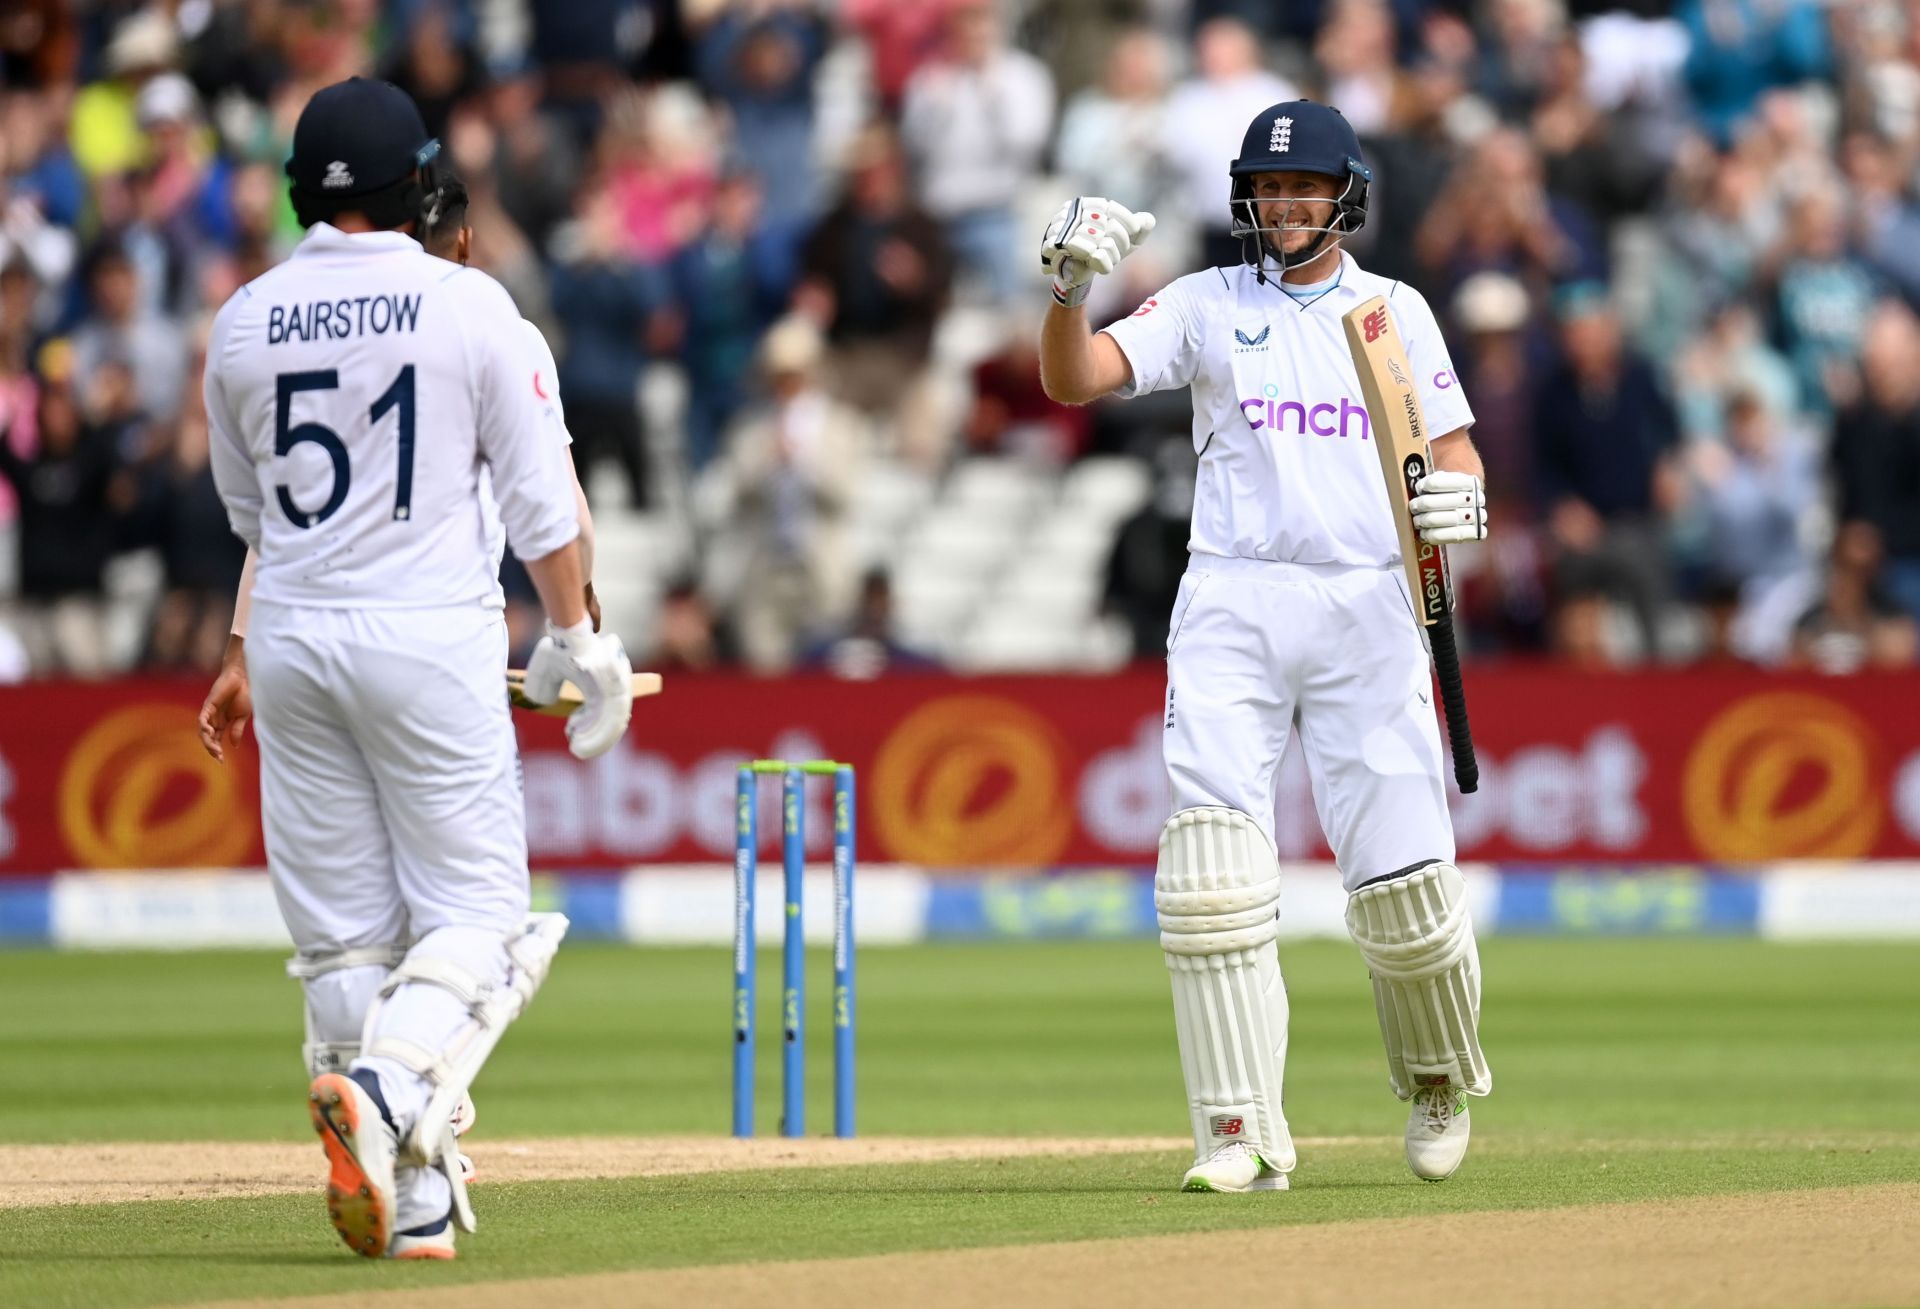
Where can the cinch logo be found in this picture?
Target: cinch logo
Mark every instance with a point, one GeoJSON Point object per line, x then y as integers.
{"type": "Point", "coordinates": [1343, 420]}
{"type": "Point", "coordinates": [1445, 380]}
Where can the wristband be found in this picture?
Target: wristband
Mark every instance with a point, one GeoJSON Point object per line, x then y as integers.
{"type": "Point", "coordinates": [1070, 297]}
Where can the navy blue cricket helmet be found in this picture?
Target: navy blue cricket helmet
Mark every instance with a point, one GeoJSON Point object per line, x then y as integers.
{"type": "Point", "coordinates": [1298, 136]}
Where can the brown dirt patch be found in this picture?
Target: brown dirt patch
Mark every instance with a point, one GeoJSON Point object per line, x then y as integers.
{"type": "Point", "coordinates": [124, 1171]}
{"type": "Point", "coordinates": [1851, 1246]}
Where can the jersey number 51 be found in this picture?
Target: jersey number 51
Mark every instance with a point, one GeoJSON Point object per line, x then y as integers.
{"type": "Point", "coordinates": [287, 434]}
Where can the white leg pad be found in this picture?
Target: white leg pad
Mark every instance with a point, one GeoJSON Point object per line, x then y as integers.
{"type": "Point", "coordinates": [1417, 938]}
{"type": "Point", "coordinates": [491, 1006]}
{"type": "Point", "coordinates": [1217, 891]}
{"type": "Point", "coordinates": [341, 986]}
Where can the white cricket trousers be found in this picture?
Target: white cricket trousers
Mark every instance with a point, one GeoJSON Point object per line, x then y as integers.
{"type": "Point", "coordinates": [389, 773]}
{"type": "Point", "coordinates": [1258, 650]}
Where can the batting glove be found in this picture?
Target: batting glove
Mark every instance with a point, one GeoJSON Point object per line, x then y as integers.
{"type": "Point", "coordinates": [1450, 508]}
{"type": "Point", "coordinates": [599, 667]}
{"type": "Point", "coordinates": [1089, 235]}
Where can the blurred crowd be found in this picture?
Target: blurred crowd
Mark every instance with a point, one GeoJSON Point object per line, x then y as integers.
{"type": "Point", "coordinates": [1676, 249]}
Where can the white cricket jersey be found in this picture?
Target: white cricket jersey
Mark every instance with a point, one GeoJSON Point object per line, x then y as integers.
{"type": "Point", "coordinates": [355, 394]}
{"type": "Point", "coordinates": [546, 389]}
{"type": "Point", "coordinates": [1288, 470]}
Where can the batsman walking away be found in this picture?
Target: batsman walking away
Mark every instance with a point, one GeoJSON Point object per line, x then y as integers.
{"type": "Point", "coordinates": [1294, 618]}
{"type": "Point", "coordinates": [376, 433]}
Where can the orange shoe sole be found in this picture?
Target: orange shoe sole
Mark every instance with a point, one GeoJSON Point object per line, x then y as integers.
{"type": "Point", "coordinates": [359, 1213]}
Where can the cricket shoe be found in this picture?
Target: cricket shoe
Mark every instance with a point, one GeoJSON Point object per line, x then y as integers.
{"type": "Point", "coordinates": [1237, 1167]}
{"type": "Point", "coordinates": [1438, 1129]}
{"type": "Point", "coordinates": [361, 1148]}
{"type": "Point", "coordinates": [432, 1241]}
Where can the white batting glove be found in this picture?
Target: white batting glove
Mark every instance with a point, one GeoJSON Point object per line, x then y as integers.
{"type": "Point", "coordinates": [1089, 235]}
{"type": "Point", "coordinates": [599, 667]}
{"type": "Point", "coordinates": [1450, 508]}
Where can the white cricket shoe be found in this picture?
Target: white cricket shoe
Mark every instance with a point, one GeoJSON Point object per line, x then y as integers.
{"type": "Point", "coordinates": [361, 1149]}
{"type": "Point", "coordinates": [435, 1241]}
{"type": "Point", "coordinates": [1237, 1167]}
{"type": "Point", "coordinates": [1438, 1129]}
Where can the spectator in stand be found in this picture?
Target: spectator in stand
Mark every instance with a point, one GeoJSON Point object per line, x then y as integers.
{"type": "Point", "coordinates": [176, 202]}
{"type": "Point", "coordinates": [1411, 162]}
{"type": "Point", "coordinates": [1356, 51]}
{"type": "Point", "coordinates": [201, 555]}
{"type": "Point", "coordinates": [432, 65]}
{"type": "Point", "coordinates": [1876, 450]}
{"type": "Point", "coordinates": [582, 49]}
{"type": "Point", "coordinates": [68, 492]}
{"type": "Point", "coordinates": [605, 302]}
{"type": "Point", "coordinates": [729, 286]}
{"type": "Point", "coordinates": [1502, 587]}
{"type": "Point", "coordinates": [793, 465]}
{"type": "Point", "coordinates": [1518, 38]}
{"type": "Point", "coordinates": [899, 39]}
{"type": "Point", "coordinates": [1605, 476]}
{"type": "Point", "coordinates": [660, 171]}
{"type": "Point", "coordinates": [19, 398]}
{"type": "Point", "coordinates": [1727, 358]}
{"type": "Point", "coordinates": [868, 648]}
{"type": "Point", "coordinates": [1150, 552]}
{"type": "Point", "coordinates": [1856, 624]}
{"type": "Point", "coordinates": [1011, 412]}
{"type": "Point", "coordinates": [1753, 491]}
{"type": "Point", "coordinates": [119, 330]}
{"type": "Point", "coordinates": [535, 163]}
{"type": "Point", "coordinates": [761, 66]}
{"type": "Point", "coordinates": [689, 638]}
{"type": "Point", "coordinates": [1824, 296]}
{"type": "Point", "coordinates": [877, 272]}
{"type": "Point", "coordinates": [104, 130]}
{"type": "Point", "coordinates": [1740, 49]}
{"type": "Point", "coordinates": [42, 192]}
{"type": "Point", "coordinates": [1206, 117]}
{"type": "Point", "coordinates": [1113, 137]}
{"type": "Point", "coordinates": [1885, 219]}
{"type": "Point", "coordinates": [1494, 214]}
{"type": "Point", "coordinates": [975, 123]}
{"type": "Point", "coordinates": [1722, 228]}
{"type": "Point", "coordinates": [1590, 159]}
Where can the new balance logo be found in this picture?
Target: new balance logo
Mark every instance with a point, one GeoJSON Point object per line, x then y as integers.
{"type": "Point", "coordinates": [1375, 323]}
{"type": "Point", "coordinates": [1225, 1126]}
{"type": "Point", "coordinates": [1282, 136]}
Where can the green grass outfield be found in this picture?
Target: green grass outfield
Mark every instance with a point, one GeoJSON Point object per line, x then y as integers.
{"type": "Point", "coordinates": [1624, 1070]}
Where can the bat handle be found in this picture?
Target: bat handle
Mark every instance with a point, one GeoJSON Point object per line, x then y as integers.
{"type": "Point", "coordinates": [1453, 697]}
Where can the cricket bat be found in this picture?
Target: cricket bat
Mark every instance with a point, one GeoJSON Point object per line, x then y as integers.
{"type": "Point", "coordinates": [1400, 437]}
{"type": "Point", "coordinates": [644, 684]}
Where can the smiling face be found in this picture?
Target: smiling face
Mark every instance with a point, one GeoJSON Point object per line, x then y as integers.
{"type": "Point", "coordinates": [1298, 202]}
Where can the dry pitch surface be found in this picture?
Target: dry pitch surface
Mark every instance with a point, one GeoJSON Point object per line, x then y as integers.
{"type": "Point", "coordinates": [1835, 1246]}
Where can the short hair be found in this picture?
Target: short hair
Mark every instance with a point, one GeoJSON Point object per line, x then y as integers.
{"type": "Point", "coordinates": [392, 206]}
{"type": "Point", "coordinates": [446, 211]}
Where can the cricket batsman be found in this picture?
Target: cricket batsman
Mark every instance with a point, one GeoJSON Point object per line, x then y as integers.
{"type": "Point", "coordinates": [361, 397]}
{"type": "Point", "coordinates": [1293, 617]}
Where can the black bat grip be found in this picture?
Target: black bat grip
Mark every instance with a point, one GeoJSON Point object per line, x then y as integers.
{"type": "Point", "coordinates": [1453, 697]}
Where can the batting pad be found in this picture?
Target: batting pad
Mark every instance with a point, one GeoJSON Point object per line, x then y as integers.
{"type": "Point", "coordinates": [1417, 938]}
{"type": "Point", "coordinates": [1217, 891]}
{"type": "Point", "coordinates": [491, 1006]}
